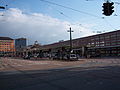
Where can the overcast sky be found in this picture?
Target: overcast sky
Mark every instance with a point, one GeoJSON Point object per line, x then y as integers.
{"type": "Point", "coordinates": [48, 23]}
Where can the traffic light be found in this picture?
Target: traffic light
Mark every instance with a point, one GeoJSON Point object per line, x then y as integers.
{"type": "Point", "coordinates": [105, 8]}
{"type": "Point", "coordinates": [111, 8]}
{"type": "Point", "coordinates": [108, 8]}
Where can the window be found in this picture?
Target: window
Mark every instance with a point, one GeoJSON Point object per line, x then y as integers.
{"type": "Point", "coordinates": [113, 43]}
{"type": "Point", "coordinates": [113, 36]}
{"type": "Point", "coordinates": [107, 44]}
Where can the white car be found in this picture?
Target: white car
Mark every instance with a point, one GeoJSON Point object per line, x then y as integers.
{"type": "Point", "coordinates": [73, 57]}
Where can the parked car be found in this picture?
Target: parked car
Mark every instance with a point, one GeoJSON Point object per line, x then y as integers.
{"type": "Point", "coordinates": [70, 57]}
{"type": "Point", "coordinates": [73, 57]}
{"type": "Point", "coordinates": [26, 57]}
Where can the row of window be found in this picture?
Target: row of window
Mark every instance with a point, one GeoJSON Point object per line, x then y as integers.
{"type": "Point", "coordinates": [6, 43]}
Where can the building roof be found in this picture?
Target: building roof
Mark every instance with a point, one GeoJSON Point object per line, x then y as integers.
{"type": "Point", "coordinates": [57, 44]}
{"type": "Point", "coordinates": [20, 39]}
{"type": "Point", "coordinates": [5, 38]}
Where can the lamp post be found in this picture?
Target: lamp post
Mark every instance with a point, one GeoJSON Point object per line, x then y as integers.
{"type": "Point", "coordinates": [70, 39]}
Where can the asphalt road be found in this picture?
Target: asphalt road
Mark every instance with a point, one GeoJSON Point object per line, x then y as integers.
{"type": "Point", "coordinates": [104, 78]}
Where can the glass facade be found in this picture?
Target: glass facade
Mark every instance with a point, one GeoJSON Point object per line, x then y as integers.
{"type": "Point", "coordinates": [20, 43]}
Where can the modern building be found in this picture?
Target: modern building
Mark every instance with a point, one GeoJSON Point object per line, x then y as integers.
{"type": "Point", "coordinates": [6, 46]}
{"type": "Point", "coordinates": [20, 45]}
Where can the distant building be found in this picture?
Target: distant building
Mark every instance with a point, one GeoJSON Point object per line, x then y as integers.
{"type": "Point", "coordinates": [20, 45]}
{"type": "Point", "coordinates": [6, 46]}
{"type": "Point", "coordinates": [33, 50]}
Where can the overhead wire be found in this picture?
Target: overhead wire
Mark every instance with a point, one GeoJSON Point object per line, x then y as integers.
{"type": "Point", "coordinates": [77, 24]}
{"type": "Point", "coordinates": [68, 17]}
{"type": "Point", "coordinates": [2, 4]}
{"type": "Point", "coordinates": [7, 3]}
{"type": "Point", "coordinates": [109, 24]}
{"type": "Point", "coordinates": [106, 21]}
{"type": "Point", "coordinates": [63, 14]}
{"type": "Point", "coordinates": [1, 1]}
{"type": "Point", "coordinates": [72, 20]}
{"type": "Point", "coordinates": [70, 8]}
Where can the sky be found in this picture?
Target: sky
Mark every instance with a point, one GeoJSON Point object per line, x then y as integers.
{"type": "Point", "coordinates": [48, 21]}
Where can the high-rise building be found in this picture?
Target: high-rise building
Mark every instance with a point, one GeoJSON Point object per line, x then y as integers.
{"type": "Point", "coordinates": [20, 43]}
{"type": "Point", "coordinates": [6, 46]}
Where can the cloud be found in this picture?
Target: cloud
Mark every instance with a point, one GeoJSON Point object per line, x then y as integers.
{"type": "Point", "coordinates": [36, 26]}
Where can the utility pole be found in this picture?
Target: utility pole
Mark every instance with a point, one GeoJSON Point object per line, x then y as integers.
{"type": "Point", "coordinates": [70, 39]}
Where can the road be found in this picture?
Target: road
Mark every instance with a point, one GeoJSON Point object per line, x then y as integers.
{"type": "Point", "coordinates": [94, 78]}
